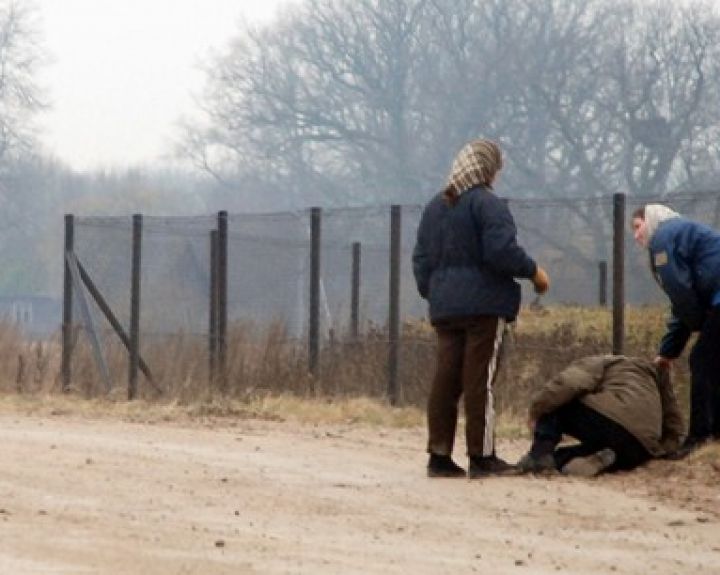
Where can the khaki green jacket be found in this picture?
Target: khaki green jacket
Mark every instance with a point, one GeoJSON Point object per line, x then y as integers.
{"type": "Point", "coordinates": [626, 390]}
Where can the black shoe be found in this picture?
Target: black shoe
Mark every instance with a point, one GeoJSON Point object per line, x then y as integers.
{"type": "Point", "coordinates": [529, 463]}
{"type": "Point", "coordinates": [689, 445]}
{"type": "Point", "coordinates": [486, 466]}
{"type": "Point", "coordinates": [443, 466]}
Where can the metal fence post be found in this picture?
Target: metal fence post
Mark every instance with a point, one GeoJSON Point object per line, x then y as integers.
{"type": "Point", "coordinates": [394, 307]}
{"type": "Point", "coordinates": [314, 319]}
{"type": "Point", "coordinates": [135, 306]}
{"type": "Point", "coordinates": [618, 273]}
{"type": "Point", "coordinates": [212, 309]}
{"type": "Point", "coordinates": [67, 327]}
{"type": "Point", "coordinates": [602, 283]}
{"type": "Point", "coordinates": [355, 292]}
{"type": "Point", "coordinates": [222, 290]}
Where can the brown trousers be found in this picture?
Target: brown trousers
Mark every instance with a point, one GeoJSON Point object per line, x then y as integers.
{"type": "Point", "coordinates": [467, 353]}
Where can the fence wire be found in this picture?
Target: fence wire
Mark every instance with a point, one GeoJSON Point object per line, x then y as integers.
{"type": "Point", "coordinates": [269, 266]}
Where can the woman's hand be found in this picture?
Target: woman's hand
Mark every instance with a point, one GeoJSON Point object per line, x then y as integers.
{"type": "Point", "coordinates": [541, 281]}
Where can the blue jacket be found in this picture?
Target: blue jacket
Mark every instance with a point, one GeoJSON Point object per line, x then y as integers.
{"type": "Point", "coordinates": [467, 255]}
{"type": "Point", "coordinates": [685, 258]}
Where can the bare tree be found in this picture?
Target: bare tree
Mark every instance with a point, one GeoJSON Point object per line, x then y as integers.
{"type": "Point", "coordinates": [599, 97]}
{"type": "Point", "coordinates": [20, 99]}
{"type": "Point", "coordinates": [620, 88]}
{"type": "Point", "coordinates": [327, 96]}
{"type": "Point", "coordinates": [343, 101]}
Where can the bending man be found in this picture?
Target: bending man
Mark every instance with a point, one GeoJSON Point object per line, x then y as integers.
{"type": "Point", "coordinates": [622, 410]}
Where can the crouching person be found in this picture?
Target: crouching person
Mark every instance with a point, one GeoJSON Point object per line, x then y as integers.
{"type": "Point", "coordinates": [622, 410]}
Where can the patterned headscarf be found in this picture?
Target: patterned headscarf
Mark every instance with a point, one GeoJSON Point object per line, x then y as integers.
{"type": "Point", "coordinates": [476, 164]}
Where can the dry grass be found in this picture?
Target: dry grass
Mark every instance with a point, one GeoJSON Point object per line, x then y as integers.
{"type": "Point", "coordinates": [284, 407]}
{"type": "Point", "coordinates": [267, 372]}
{"type": "Point", "coordinates": [709, 454]}
{"type": "Point", "coordinates": [26, 367]}
{"type": "Point", "coordinates": [643, 325]}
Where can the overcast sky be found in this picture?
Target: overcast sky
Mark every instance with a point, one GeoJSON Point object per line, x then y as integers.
{"type": "Point", "coordinates": [122, 72]}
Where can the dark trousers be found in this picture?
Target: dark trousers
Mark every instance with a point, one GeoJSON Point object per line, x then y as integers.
{"type": "Point", "coordinates": [593, 430]}
{"type": "Point", "coordinates": [466, 366]}
{"type": "Point", "coordinates": [705, 380]}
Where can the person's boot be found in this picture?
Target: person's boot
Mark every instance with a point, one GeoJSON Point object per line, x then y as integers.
{"type": "Point", "coordinates": [590, 465]}
{"type": "Point", "coordinates": [487, 466]}
{"type": "Point", "coordinates": [443, 466]}
{"type": "Point", "coordinates": [530, 463]}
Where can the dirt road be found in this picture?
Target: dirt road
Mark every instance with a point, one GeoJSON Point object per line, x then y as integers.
{"type": "Point", "coordinates": [103, 496]}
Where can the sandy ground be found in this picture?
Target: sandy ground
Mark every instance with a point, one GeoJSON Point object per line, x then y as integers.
{"type": "Point", "coordinates": [104, 496]}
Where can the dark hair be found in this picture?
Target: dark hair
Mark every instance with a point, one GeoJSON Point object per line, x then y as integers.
{"type": "Point", "coordinates": [639, 213]}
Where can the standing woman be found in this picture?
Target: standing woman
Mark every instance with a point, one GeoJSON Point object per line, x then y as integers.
{"type": "Point", "coordinates": [465, 260]}
{"type": "Point", "coordinates": [685, 260]}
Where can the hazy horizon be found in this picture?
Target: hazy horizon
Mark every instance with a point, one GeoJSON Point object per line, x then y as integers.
{"type": "Point", "coordinates": [119, 75]}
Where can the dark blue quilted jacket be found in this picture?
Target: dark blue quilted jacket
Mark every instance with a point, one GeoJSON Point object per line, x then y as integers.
{"type": "Point", "coordinates": [685, 256]}
{"type": "Point", "coordinates": [467, 255]}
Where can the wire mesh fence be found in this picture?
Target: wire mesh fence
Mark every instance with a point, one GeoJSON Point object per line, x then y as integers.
{"type": "Point", "coordinates": [269, 297]}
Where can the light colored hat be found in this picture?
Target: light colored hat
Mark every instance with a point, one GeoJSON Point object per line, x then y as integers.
{"type": "Point", "coordinates": [655, 214]}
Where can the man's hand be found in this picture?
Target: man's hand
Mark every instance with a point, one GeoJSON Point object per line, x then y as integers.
{"type": "Point", "coordinates": [531, 424]}
{"type": "Point", "coordinates": [663, 362]}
